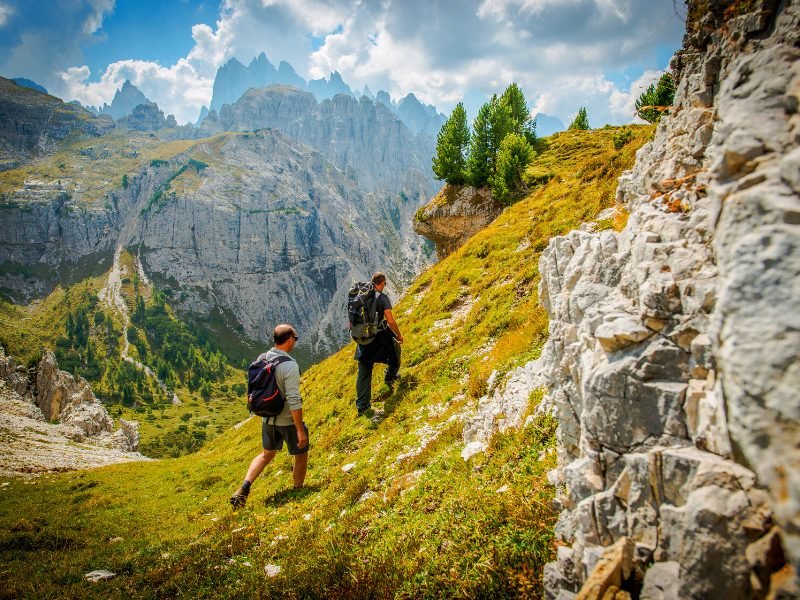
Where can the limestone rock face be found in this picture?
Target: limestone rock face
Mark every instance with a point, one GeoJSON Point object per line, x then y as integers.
{"type": "Point", "coordinates": [281, 240]}
{"type": "Point", "coordinates": [418, 117]}
{"type": "Point", "coordinates": [51, 422]}
{"type": "Point", "coordinates": [125, 102]}
{"type": "Point", "coordinates": [362, 138]}
{"type": "Point", "coordinates": [61, 398]}
{"type": "Point", "coordinates": [55, 238]}
{"type": "Point", "coordinates": [148, 117]}
{"type": "Point", "coordinates": [674, 345]}
{"type": "Point", "coordinates": [456, 214]}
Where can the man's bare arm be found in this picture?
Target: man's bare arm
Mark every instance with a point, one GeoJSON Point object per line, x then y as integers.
{"type": "Point", "coordinates": [302, 438]}
{"type": "Point", "coordinates": [393, 324]}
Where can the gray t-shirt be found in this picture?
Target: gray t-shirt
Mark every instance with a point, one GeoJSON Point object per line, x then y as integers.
{"type": "Point", "coordinates": [287, 376]}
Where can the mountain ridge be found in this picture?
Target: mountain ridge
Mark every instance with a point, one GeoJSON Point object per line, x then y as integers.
{"type": "Point", "coordinates": [233, 79]}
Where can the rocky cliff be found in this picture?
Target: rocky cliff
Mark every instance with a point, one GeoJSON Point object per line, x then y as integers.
{"type": "Point", "coordinates": [360, 137]}
{"type": "Point", "coordinates": [33, 123]}
{"type": "Point", "coordinates": [53, 422]}
{"type": "Point", "coordinates": [328, 200]}
{"type": "Point", "coordinates": [455, 214]}
{"type": "Point", "coordinates": [233, 80]}
{"type": "Point", "coordinates": [674, 346]}
{"type": "Point", "coordinates": [269, 231]}
{"type": "Point", "coordinates": [148, 117]}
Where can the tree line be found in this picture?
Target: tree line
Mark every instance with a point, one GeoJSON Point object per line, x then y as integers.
{"type": "Point", "coordinates": [500, 144]}
{"type": "Point", "coordinates": [497, 149]}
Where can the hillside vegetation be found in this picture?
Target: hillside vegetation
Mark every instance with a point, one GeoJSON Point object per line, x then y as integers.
{"type": "Point", "coordinates": [410, 518]}
{"type": "Point", "coordinates": [87, 337]}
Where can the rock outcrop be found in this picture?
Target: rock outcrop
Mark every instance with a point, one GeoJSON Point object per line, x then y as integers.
{"type": "Point", "coordinates": [148, 117]}
{"type": "Point", "coordinates": [62, 398]}
{"type": "Point", "coordinates": [53, 422]}
{"type": "Point", "coordinates": [454, 215]}
{"type": "Point", "coordinates": [674, 346]}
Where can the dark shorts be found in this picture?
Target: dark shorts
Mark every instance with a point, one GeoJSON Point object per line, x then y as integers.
{"type": "Point", "coordinates": [272, 437]}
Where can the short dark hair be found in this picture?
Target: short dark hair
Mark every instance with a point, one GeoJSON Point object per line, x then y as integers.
{"type": "Point", "coordinates": [282, 333]}
{"type": "Point", "coordinates": [378, 278]}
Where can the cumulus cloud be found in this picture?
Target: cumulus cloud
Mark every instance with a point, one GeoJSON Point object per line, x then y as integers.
{"type": "Point", "coordinates": [38, 42]}
{"type": "Point", "coordinates": [561, 52]}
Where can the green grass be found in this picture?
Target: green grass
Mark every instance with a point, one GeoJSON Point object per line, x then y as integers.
{"type": "Point", "coordinates": [434, 526]}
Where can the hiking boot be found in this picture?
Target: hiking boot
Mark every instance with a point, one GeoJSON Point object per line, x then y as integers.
{"type": "Point", "coordinates": [367, 412]}
{"type": "Point", "coordinates": [239, 498]}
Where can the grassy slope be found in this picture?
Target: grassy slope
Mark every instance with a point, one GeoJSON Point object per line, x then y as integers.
{"type": "Point", "coordinates": [449, 534]}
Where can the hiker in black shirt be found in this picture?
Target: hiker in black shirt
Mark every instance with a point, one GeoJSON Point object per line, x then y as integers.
{"type": "Point", "coordinates": [385, 348]}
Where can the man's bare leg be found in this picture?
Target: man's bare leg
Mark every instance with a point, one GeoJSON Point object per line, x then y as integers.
{"type": "Point", "coordinates": [258, 464]}
{"type": "Point", "coordinates": [299, 471]}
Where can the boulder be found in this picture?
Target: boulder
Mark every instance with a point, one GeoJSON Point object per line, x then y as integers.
{"type": "Point", "coordinates": [454, 215]}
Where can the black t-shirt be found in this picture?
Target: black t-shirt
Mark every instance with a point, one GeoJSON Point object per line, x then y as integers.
{"type": "Point", "coordinates": [382, 303]}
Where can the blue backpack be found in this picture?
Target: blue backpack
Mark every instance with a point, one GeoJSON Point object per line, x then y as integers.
{"type": "Point", "coordinates": [264, 398]}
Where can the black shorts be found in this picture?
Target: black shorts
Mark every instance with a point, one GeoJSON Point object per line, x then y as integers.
{"type": "Point", "coordinates": [272, 437]}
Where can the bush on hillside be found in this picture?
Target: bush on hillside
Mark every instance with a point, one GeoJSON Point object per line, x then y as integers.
{"type": "Point", "coordinates": [622, 137]}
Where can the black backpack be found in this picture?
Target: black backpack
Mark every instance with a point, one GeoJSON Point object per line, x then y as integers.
{"type": "Point", "coordinates": [264, 398]}
{"type": "Point", "coordinates": [362, 312]}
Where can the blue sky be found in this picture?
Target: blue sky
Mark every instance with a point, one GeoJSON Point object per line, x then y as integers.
{"type": "Point", "coordinates": [154, 30]}
{"type": "Point", "coordinates": [563, 53]}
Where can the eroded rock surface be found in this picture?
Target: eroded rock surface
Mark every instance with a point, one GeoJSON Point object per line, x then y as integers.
{"type": "Point", "coordinates": [674, 346]}
{"type": "Point", "coordinates": [454, 215]}
{"type": "Point", "coordinates": [51, 422]}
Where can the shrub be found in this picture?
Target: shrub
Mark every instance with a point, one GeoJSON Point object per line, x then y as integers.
{"type": "Point", "coordinates": [515, 154]}
{"type": "Point", "coordinates": [581, 120]}
{"type": "Point", "coordinates": [622, 137]}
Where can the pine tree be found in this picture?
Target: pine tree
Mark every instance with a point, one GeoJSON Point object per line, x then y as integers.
{"type": "Point", "coordinates": [581, 120]}
{"type": "Point", "coordinates": [660, 95]}
{"type": "Point", "coordinates": [514, 155]}
{"type": "Point", "coordinates": [521, 121]}
{"type": "Point", "coordinates": [452, 144]}
{"type": "Point", "coordinates": [493, 123]}
{"type": "Point", "coordinates": [502, 124]}
{"type": "Point", "coordinates": [480, 148]}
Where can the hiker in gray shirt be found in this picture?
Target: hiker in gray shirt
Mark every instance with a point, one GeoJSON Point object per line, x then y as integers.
{"type": "Point", "coordinates": [288, 425]}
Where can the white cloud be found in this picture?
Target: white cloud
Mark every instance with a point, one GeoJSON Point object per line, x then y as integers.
{"type": "Point", "coordinates": [94, 20]}
{"type": "Point", "coordinates": [6, 12]}
{"type": "Point", "coordinates": [561, 52]}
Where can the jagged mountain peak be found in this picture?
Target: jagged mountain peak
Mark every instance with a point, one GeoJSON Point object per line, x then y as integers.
{"type": "Point", "coordinates": [125, 100]}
